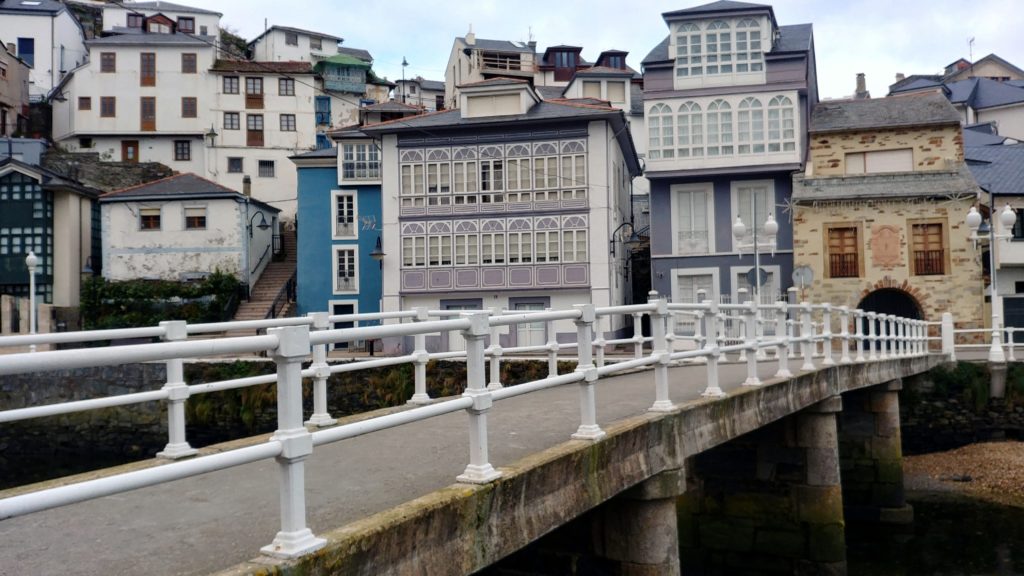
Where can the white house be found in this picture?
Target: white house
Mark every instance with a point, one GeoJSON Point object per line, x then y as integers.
{"type": "Point", "coordinates": [187, 19]}
{"type": "Point", "coordinates": [284, 43]}
{"type": "Point", "coordinates": [418, 91]}
{"type": "Point", "coordinates": [47, 37]}
{"type": "Point", "coordinates": [184, 227]}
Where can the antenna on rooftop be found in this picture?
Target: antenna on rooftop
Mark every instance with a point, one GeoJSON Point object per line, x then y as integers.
{"type": "Point", "coordinates": [970, 49]}
{"type": "Point", "coordinates": [529, 34]}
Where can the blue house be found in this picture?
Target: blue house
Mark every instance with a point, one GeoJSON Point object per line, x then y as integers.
{"type": "Point", "coordinates": [727, 96]}
{"type": "Point", "coordinates": [339, 218]}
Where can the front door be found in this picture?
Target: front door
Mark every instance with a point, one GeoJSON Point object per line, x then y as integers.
{"type": "Point", "coordinates": [129, 151]}
{"type": "Point", "coordinates": [339, 309]}
{"type": "Point", "coordinates": [530, 333]}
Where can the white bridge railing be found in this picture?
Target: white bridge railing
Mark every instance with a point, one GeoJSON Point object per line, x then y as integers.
{"type": "Point", "coordinates": [779, 332]}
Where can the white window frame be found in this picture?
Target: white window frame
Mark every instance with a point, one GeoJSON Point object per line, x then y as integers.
{"type": "Point", "coordinates": [716, 287]}
{"type": "Point", "coordinates": [335, 194]}
{"type": "Point", "coordinates": [709, 189]}
{"type": "Point", "coordinates": [354, 249]}
{"type": "Point", "coordinates": [365, 153]}
{"type": "Point", "coordinates": [418, 243]}
{"type": "Point", "coordinates": [734, 205]}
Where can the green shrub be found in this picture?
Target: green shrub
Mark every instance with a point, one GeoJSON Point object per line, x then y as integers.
{"type": "Point", "coordinates": [132, 303]}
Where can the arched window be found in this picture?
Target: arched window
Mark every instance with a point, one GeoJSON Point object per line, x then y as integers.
{"type": "Point", "coordinates": [719, 128]}
{"type": "Point", "coordinates": [718, 48]}
{"type": "Point", "coordinates": [781, 127]}
{"type": "Point", "coordinates": [688, 51]}
{"type": "Point", "coordinates": [750, 129]}
{"type": "Point", "coordinates": [691, 130]}
{"type": "Point", "coordinates": [749, 56]}
{"type": "Point", "coordinates": [661, 132]}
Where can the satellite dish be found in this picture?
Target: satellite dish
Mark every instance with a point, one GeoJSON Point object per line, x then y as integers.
{"type": "Point", "coordinates": [803, 276]}
{"type": "Point", "coordinates": [751, 277]}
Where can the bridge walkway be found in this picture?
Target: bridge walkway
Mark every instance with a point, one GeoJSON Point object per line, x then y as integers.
{"type": "Point", "coordinates": [211, 522]}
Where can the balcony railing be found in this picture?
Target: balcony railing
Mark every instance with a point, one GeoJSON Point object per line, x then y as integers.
{"type": "Point", "coordinates": [693, 242]}
{"type": "Point", "coordinates": [929, 262]}
{"type": "Point", "coordinates": [843, 266]}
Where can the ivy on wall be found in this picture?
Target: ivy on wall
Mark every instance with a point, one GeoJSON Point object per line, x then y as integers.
{"type": "Point", "coordinates": [125, 304]}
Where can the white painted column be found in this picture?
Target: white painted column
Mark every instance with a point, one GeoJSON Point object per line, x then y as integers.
{"type": "Point", "coordinates": [599, 341]}
{"type": "Point", "coordinates": [638, 336]}
{"type": "Point", "coordinates": [321, 371]}
{"type": "Point", "coordinates": [420, 395]}
{"type": "Point", "coordinates": [858, 319]}
{"type": "Point", "coordinates": [494, 351]}
{"type": "Point", "coordinates": [826, 331]}
{"type": "Point", "coordinates": [177, 394]}
{"type": "Point", "coordinates": [844, 334]}
{"type": "Point", "coordinates": [552, 345]}
{"type": "Point", "coordinates": [807, 332]}
{"type": "Point", "coordinates": [479, 470]}
{"type": "Point", "coordinates": [588, 430]}
{"type": "Point", "coordinates": [948, 336]}
{"type": "Point", "coordinates": [660, 350]}
{"type": "Point", "coordinates": [872, 336]}
{"type": "Point", "coordinates": [883, 336]}
{"type": "Point", "coordinates": [712, 390]}
{"type": "Point", "coordinates": [295, 538]}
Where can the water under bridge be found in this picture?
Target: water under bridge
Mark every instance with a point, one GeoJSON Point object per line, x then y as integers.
{"type": "Point", "coordinates": [672, 456]}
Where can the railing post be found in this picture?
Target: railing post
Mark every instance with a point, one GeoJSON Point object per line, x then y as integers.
{"type": "Point", "coordinates": [660, 350]}
{"type": "Point", "coordinates": [494, 351]}
{"type": "Point", "coordinates": [807, 333]}
{"type": "Point", "coordinates": [421, 357]}
{"type": "Point", "coordinates": [177, 394]}
{"type": "Point", "coordinates": [321, 371]}
{"type": "Point", "coordinates": [1009, 342]}
{"type": "Point", "coordinates": [872, 336]}
{"type": "Point", "coordinates": [750, 342]}
{"type": "Point", "coordinates": [588, 430]}
{"type": "Point", "coordinates": [782, 335]}
{"type": "Point", "coordinates": [294, 538]}
{"type": "Point", "coordinates": [883, 336]}
{"type": "Point", "coordinates": [922, 333]}
{"type": "Point", "coordinates": [552, 347]}
{"type": "Point", "coordinates": [858, 319]}
{"type": "Point", "coordinates": [638, 335]}
{"type": "Point", "coordinates": [741, 327]}
{"type": "Point", "coordinates": [826, 332]}
{"type": "Point", "coordinates": [599, 341]}
{"type": "Point", "coordinates": [479, 470]}
{"type": "Point", "coordinates": [713, 390]}
{"type": "Point", "coordinates": [948, 336]}
{"type": "Point", "coordinates": [904, 337]}
{"type": "Point", "coordinates": [844, 334]}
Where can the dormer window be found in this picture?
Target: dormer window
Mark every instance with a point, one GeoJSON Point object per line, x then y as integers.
{"type": "Point", "coordinates": [158, 28]}
{"type": "Point", "coordinates": [565, 60]}
{"type": "Point", "coordinates": [718, 48]}
{"type": "Point", "coordinates": [616, 62]}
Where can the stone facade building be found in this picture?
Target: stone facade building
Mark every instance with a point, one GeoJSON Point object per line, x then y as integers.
{"type": "Point", "coordinates": [878, 215]}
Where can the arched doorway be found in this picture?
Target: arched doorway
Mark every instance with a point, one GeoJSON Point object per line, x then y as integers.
{"type": "Point", "coordinates": [888, 301]}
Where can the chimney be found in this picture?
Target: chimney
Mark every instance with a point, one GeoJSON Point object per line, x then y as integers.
{"type": "Point", "coordinates": [470, 37]}
{"type": "Point", "coordinates": [900, 77]}
{"type": "Point", "coordinates": [862, 89]}
{"type": "Point", "coordinates": [11, 48]}
{"type": "Point", "coordinates": [533, 46]}
{"type": "Point", "coordinates": [246, 186]}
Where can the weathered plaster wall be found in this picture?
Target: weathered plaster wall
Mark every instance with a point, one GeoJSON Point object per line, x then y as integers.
{"type": "Point", "coordinates": [959, 291]}
{"type": "Point", "coordinates": [932, 147]}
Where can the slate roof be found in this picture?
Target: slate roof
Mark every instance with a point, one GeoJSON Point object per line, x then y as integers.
{"type": "Point", "coordinates": [982, 135]}
{"type": "Point", "coordinates": [998, 169]}
{"type": "Point", "coordinates": [185, 185]}
{"type": "Point", "coordinates": [136, 39]}
{"type": "Point", "coordinates": [1017, 83]}
{"type": "Point", "coordinates": [160, 6]}
{"type": "Point", "coordinates": [720, 6]}
{"type": "Point", "coordinates": [436, 85]}
{"type": "Point", "coordinates": [391, 106]}
{"type": "Point", "coordinates": [980, 93]}
{"type": "Point", "coordinates": [604, 71]}
{"type": "Point", "coordinates": [44, 7]}
{"type": "Point", "coordinates": [331, 152]}
{"type": "Point", "coordinates": [499, 81]}
{"type": "Point", "coordinates": [280, 67]}
{"type": "Point", "coordinates": [297, 31]}
{"type": "Point", "coordinates": [900, 185]}
{"type": "Point", "coordinates": [357, 52]}
{"type": "Point", "coordinates": [550, 92]}
{"type": "Point", "coordinates": [792, 38]}
{"type": "Point", "coordinates": [636, 99]}
{"type": "Point", "coordinates": [497, 45]}
{"type": "Point", "coordinates": [895, 111]}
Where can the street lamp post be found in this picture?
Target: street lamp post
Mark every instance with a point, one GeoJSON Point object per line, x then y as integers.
{"type": "Point", "coordinates": [975, 222]}
{"type": "Point", "coordinates": [739, 232]}
{"type": "Point", "coordinates": [31, 261]}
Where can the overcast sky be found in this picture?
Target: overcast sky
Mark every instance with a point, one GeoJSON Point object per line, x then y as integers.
{"type": "Point", "coordinates": [877, 37]}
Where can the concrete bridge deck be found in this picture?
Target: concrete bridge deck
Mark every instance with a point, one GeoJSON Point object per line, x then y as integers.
{"type": "Point", "coordinates": [216, 521]}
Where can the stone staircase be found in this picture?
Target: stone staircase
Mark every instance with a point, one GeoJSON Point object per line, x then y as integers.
{"type": "Point", "coordinates": [270, 283]}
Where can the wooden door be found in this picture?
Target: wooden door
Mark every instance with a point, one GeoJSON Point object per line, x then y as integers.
{"type": "Point", "coordinates": [148, 114]}
{"type": "Point", "coordinates": [129, 150]}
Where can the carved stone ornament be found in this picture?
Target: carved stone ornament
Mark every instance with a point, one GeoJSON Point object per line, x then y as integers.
{"type": "Point", "coordinates": [885, 246]}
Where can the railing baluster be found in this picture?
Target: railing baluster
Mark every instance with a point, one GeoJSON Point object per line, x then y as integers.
{"type": "Point", "coordinates": [552, 345]}
{"type": "Point", "coordinates": [858, 319]}
{"type": "Point", "coordinates": [599, 341]}
{"type": "Point", "coordinates": [420, 395]}
{"type": "Point", "coordinates": [659, 350]}
{"type": "Point", "coordinates": [883, 336]}
{"type": "Point", "coordinates": [872, 336]}
{"type": "Point", "coordinates": [494, 351]}
{"type": "Point", "coordinates": [807, 333]}
{"type": "Point", "coordinates": [479, 470]}
{"type": "Point", "coordinates": [712, 390]}
{"type": "Point", "coordinates": [321, 371]}
{"type": "Point", "coordinates": [638, 336]}
{"type": "Point", "coordinates": [588, 430]}
{"type": "Point", "coordinates": [1009, 343]}
{"type": "Point", "coordinates": [740, 322]}
{"type": "Point", "coordinates": [781, 334]}
{"type": "Point", "coordinates": [844, 334]}
{"type": "Point", "coordinates": [948, 336]}
{"type": "Point", "coordinates": [750, 341]}
{"type": "Point", "coordinates": [826, 332]}
{"type": "Point", "coordinates": [177, 394]}
{"type": "Point", "coordinates": [294, 538]}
